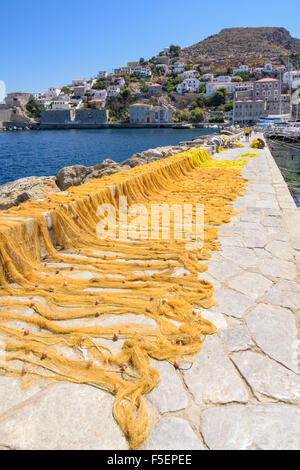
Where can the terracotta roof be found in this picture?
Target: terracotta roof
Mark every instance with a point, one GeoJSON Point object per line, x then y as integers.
{"type": "Point", "coordinates": [268, 80]}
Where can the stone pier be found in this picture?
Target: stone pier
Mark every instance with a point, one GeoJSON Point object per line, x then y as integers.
{"type": "Point", "coordinates": [243, 390]}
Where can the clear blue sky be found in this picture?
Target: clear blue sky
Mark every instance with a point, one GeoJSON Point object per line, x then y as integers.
{"type": "Point", "coordinates": [45, 43]}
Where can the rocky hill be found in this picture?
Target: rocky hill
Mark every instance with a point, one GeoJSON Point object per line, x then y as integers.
{"type": "Point", "coordinates": [241, 44]}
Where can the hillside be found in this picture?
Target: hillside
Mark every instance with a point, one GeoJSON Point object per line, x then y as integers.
{"type": "Point", "coordinates": [244, 44]}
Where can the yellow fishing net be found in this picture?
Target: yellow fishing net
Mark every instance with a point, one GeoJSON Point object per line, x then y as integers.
{"type": "Point", "coordinates": [247, 155]}
{"type": "Point", "coordinates": [238, 145]}
{"type": "Point", "coordinates": [256, 144]}
{"type": "Point", "coordinates": [78, 308]}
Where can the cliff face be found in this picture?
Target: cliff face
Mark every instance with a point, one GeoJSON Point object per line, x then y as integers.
{"type": "Point", "coordinates": [241, 43]}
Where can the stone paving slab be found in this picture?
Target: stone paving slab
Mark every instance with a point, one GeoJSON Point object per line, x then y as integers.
{"type": "Point", "coordinates": [243, 390]}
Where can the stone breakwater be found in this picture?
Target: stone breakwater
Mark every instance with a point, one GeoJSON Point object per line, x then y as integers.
{"type": "Point", "coordinates": [35, 188]}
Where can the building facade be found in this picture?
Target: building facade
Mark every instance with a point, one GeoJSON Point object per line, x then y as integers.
{"type": "Point", "coordinates": [147, 114]}
{"type": "Point", "coordinates": [189, 85]}
{"type": "Point", "coordinates": [267, 89]}
{"type": "Point", "coordinates": [248, 110]}
{"type": "Point", "coordinates": [212, 87]}
{"type": "Point", "coordinates": [17, 98]}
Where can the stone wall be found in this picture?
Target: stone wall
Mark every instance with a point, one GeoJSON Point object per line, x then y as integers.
{"type": "Point", "coordinates": [91, 116]}
{"type": "Point", "coordinates": [55, 116]}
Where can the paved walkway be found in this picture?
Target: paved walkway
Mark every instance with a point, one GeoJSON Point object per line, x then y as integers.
{"type": "Point", "coordinates": [243, 391]}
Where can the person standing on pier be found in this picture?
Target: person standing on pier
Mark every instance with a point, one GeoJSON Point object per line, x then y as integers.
{"type": "Point", "coordinates": [247, 133]}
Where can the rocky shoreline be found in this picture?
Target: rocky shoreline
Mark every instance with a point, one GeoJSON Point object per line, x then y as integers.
{"type": "Point", "coordinates": [34, 187]}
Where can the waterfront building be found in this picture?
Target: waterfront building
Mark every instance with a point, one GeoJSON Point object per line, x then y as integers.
{"type": "Point", "coordinates": [189, 85]}
{"type": "Point", "coordinates": [276, 107]}
{"type": "Point", "coordinates": [248, 110]}
{"type": "Point", "coordinates": [141, 113]}
{"type": "Point", "coordinates": [212, 87]}
{"type": "Point", "coordinates": [266, 89]}
{"type": "Point", "coordinates": [17, 98]}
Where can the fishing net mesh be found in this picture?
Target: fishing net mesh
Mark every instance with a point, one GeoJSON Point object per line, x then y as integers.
{"type": "Point", "coordinates": [78, 308]}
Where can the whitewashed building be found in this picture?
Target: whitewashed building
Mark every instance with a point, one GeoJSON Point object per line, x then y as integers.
{"type": "Point", "coordinates": [146, 71]}
{"type": "Point", "coordinates": [189, 74]}
{"type": "Point", "coordinates": [102, 74]}
{"type": "Point", "coordinates": [189, 85]}
{"type": "Point", "coordinates": [222, 78]}
{"type": "Point", "coordinates": [99, 94]}
{"type": "Point", "coordinates": [60, 104]}
{"type": "Point", "coordinates": [212, 87]}
{"type": "Point", "coordinates": [240, 69]}
{"type": "Point", "coordinates": [120, 82]}
{"type": "Point", "coordinates": [178, 67]}
{"type": "Point", "coordinates": [290, 77]}
{"type": "Point", "coordinates": [44, 102]}
{"type": "Point", "coordinates": [79, 82]}
{"type": "Point", "coordinates": [113, 91]}
{"type": "Point", "coordinates": [52, 92]}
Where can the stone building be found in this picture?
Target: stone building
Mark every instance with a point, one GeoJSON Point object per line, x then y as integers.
{"type": "Point", "coordinates": [17, 98]}
{"type": "Point", "coordinates": [267, 89]}
{"type": "Point", "coordinates": [248, 110]}
{"type": "Point", "coordinates": [141, 113]}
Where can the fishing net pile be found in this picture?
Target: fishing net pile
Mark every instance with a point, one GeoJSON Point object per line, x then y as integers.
{"type": "Point", "coordinates": [75, 307]}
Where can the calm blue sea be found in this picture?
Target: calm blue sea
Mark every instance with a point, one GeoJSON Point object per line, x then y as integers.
{"type": "Point", "coordinates": [39, 153]}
